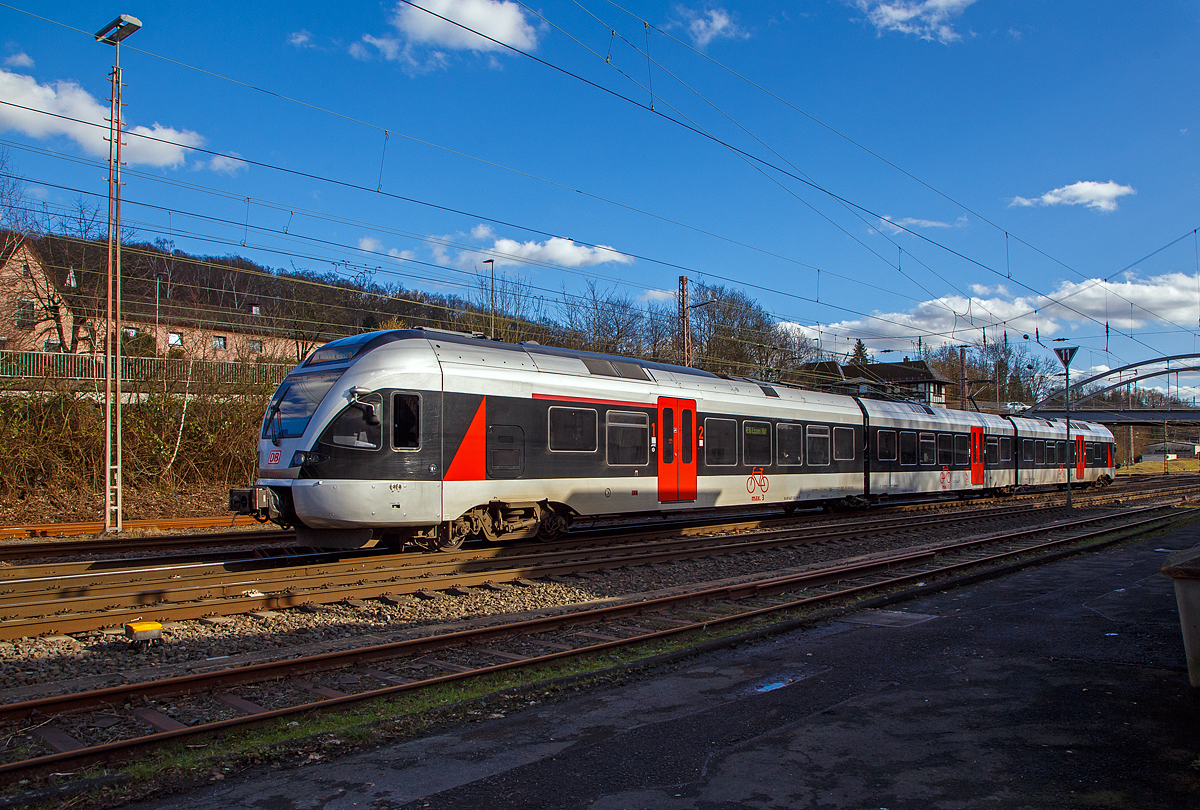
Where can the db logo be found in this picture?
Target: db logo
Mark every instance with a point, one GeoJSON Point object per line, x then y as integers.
{"type": "Point", "coordinates": [274, 457]}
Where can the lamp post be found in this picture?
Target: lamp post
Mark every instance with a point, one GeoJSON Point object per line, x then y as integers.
{"type": "Point", "coordinates": [113, 34]}
{"type": "Point", "coordinates": [1065, 355]}
{"type": "Point", "coordinates": [492, 263]}
{"type": "Point", "coordinates": [158, 277]}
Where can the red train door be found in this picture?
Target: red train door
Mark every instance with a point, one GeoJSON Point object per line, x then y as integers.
{"type": "Point", "coordinates": [976, 456]}
{"type": "Point", "coordinates": [676, 450]}
{"type": "Point", "coordinates": [1080, 460]}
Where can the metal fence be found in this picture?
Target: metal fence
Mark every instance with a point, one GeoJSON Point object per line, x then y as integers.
{"type": "Point", "coordinates": [51, 366]}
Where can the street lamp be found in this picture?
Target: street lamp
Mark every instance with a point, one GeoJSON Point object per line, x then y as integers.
{"type": "Point", "coordinates": [492, 262]}
{"type": "Point", "coordinates": [114, 34]}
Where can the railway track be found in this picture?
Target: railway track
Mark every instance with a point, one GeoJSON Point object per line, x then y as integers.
{"type": "Point", "coordinates": [70, 731]}
{"type": "Point", "coordinates": [74, 597]}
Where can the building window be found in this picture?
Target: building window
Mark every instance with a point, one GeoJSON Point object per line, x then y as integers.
{"type": "Point", "coordinates": [255, 346]}
{"type": "Point", "coordinates": [174, 338]}
{"type": "Point", "coordinates": [25, 313]}
{"type": "Point", "coordinates": [130, 332]}
{"type": "Point", "coordinates": [219, 342]}
{"type": "Point", "coordinates": [25, 270]}
{"type": "Point", "coordinates": [71, 279]}
{"type": "Point", "coordinates": [255, 309]}
{"type": "Point", "coordinates": [52, 345]}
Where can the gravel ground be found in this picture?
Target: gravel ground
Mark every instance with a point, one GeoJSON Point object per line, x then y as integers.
{"type": "Point", "coordinates": [55, 664]}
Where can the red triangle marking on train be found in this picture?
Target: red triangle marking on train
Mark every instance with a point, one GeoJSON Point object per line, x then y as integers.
{"type": "Point", "coordinates": [468, 463]}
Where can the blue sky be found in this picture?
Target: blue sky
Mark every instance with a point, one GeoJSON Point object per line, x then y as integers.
{"type": "Point", "coordinates": [925, 169]}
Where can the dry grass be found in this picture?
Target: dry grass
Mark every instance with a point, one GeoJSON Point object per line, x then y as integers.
{"type": "Point", "coordinates": [1180, 465]}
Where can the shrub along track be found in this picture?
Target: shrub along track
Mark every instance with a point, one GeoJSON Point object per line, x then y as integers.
{"type": "Point", "coordinates": [66, 597]}
{"type": "Point", "coordinates": [110, 724]}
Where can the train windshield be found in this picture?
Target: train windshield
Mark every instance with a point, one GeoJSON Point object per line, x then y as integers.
{"type": "Point", "coordinates": [294, 404]}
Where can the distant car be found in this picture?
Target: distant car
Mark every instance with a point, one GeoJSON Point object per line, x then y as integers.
{"type": "Point", "coordinates": [1013, 407]}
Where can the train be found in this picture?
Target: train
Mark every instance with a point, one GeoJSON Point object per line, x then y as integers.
{"type": "Point", "coordinates": [434, 438]}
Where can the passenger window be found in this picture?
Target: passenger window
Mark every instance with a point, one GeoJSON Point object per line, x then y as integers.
{"type": "Point", "coordinates": [1051, 454]}
{"type": "Point", "coordinates": [720, 442]}
{"type": "Point", "coordinates": [1089, 458]}
{"type": "Point", "coordinates": [668, 435]}
{"type": "Point", "coordinates": [628, 438]}
{"type": "Point", "coordinates": [685, 436]}
{"type": "Point", "coordinates": [843, 444]}
{"type": "Point", "coordinates": [352, 427]}
{"type": "Point", "coordinates": [756, 443]}
{"type": "Point", "coordinates": [1027, 450]}
{"type": "Point", "coordinates": [908, 448]}
{"type": "Point", "coordinates": [945, 450]}
{"type": "Point", "coordinates": [791, 444]}
{"type": "Point", "coordinates": [406, 422]}
{"type": "Point", "coordinates": [1063, 456]}
{"type": "Point", "coordinates": [1005, 448]}
{"type": "Point", "coordinates": [573, 430]}
{"type": "Point", "coordinates": [928, 448]}
{"type": "Point", "coordinates": [1039, 452]}
{"type": "Point", "coordinates": [991, 450]}
{"type": "Point", "coordinates": [818, 445]}
{"type": "Point", "coordinates": [962, 449]}
{"type": "Point", "coordinates": [885, 445]}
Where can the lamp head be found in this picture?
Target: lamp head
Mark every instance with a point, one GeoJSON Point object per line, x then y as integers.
{"type": "Point", "coordinates": [118, 29]}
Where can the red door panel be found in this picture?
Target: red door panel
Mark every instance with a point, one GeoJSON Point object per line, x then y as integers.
{"type": "Point", "coordinates": [1080, 460]}
{"type": "Point", "coordinates": [676, 450]}
{"type": "Point", "coordinates": [976, 456]}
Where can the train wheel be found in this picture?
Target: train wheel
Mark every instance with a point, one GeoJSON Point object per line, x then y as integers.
{"type": "Point", "coordinates": [451, 537]}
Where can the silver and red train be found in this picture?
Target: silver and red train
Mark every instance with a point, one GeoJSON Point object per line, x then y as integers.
{"type": "Point", "coordinates": [435, 437]}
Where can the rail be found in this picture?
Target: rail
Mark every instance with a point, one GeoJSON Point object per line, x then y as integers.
{"type": "Point", "coordinates": [58, 366]}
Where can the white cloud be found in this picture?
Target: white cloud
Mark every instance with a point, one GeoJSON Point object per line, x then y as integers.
{"type": "Point", "coordinates": [709, 24]}
{"type": "Point", "coordinates": [1170, 296]}
{"type": "Point", "coordinates": [1097, 196]}
{"type": "Point", "coordinates": [482, 232]}
{"type": "Point", "coordinates": [556, 250]}
{"type": "Point", "coordinates": [927, 19]}
{"type": "Point", "coordinates": [501, 20]}
{"type": "Point", "coordinates": [370, 244]}
{"type": "Point", "coordinates": [228, 164]}
{"type": "Point", "coordinates": [896, 226]}
{"type": "Point", "coordinates": [402, 254]}
{"type": "Point", "coordinates": [658, 296]}
{"type": "Point", "coordinates": [19, 60]}
{"type": "Point", "coordinates": [67, 99]}
{"type": "Point", "coordinates": [300, 39]}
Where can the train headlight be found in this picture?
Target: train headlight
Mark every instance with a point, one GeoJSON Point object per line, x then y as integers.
{"type": "Point", "coordinates": [302, 457]}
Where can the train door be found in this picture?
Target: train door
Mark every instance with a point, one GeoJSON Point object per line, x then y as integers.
{"type": "Point", "coordinates": [1080, 460]}
{"type": "Point", "coordinates": [976, 456]}
{"type": "Point", "coordinates": [676, 450]}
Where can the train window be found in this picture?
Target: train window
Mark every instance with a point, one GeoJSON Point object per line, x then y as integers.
{"type": "Point", "coordinates": [406, 422]}
{"type": "Point", "coordinates": [353, 428]}
{"type": "Point", "coordinates": [885, 445]}
{"type": "Point", "coordinates": [1089, 450]}
{"type": "Point", "coordinates": [685, 436]}
{"type": "Point", "coordinates": [628, 438]}
{"type": "Point", "coordinates": [1027, 450]}
{"type": "Point", "coordinates": [1051, 453]}
{"type": "Point", "coordinates": [573, 430]}
{"type": "Point", "coordinates": [843, 444]}
{"type": "Point", "coordinates": [962, 449]}
{"type": "Point", "coordinates": [928, 449]}
{"type": "Point", "coordinates": [1063, 456]}
{"type": "Point", "coordinates": [945, 450]}
{"type": "Point", "coordinates": [991, 450]}
{"type": "Point", "coordinates": [668, 435]}
{"type": "Point", "coordinates": [720, 442]}
{"type": "Point", "coordinates": [756, 443]}
{"type": "Point", "coordinates": [1039, 452]}
{"type": "Point", "coordinates": [1005, 448]}
{"type": "Point", "coordinates": [908, 448]}
{"type": "Point", "coordinates": [294, 404]}
{"type": "Point", "coordinates": [818, 445]}
{"type": "Point", "coordinates": [790, 439]}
